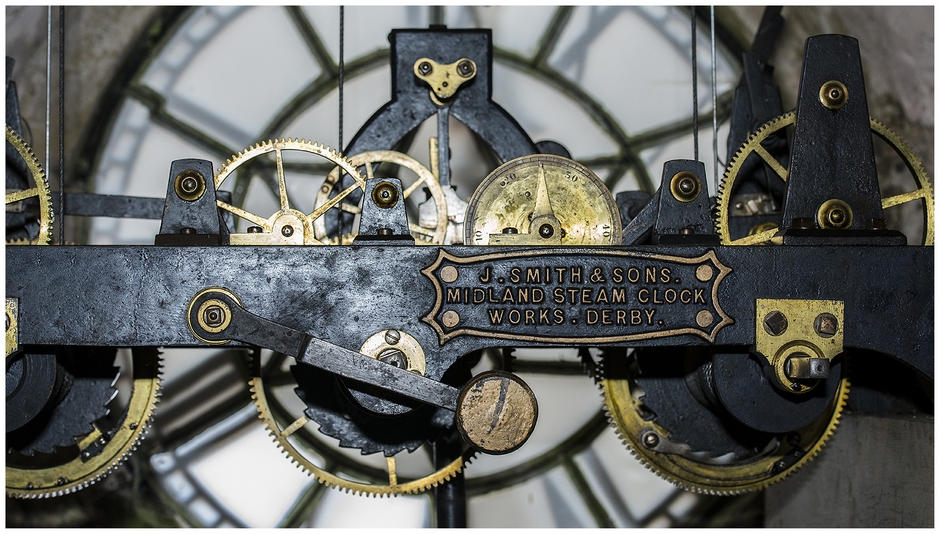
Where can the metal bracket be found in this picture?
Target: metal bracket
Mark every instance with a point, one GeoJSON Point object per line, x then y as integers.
{"type": "Point", "coordinates": [12, 324]}
{"type": "Point", "coordinates": [799, 338]}
{"type": "Point", "coordinates": [190, 214]}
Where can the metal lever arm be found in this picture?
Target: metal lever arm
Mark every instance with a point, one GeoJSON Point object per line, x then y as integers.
{"type": "Point", "coordinates": [216, 316]}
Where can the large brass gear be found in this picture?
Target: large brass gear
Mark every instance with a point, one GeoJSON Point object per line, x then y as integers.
{"type": "Point", "coordinates": [99, 453]}
{"type": "Point", "coordinates": [429, 236]}
{"type": "Point", "coordinates": [693, 470]}
{"type": "Point", "coordinates": [40, 191]}
{"type": "Point", "coordinates": [280, 433]}
{"type": "Point", "coordinates": [924, 191]}
{"type": "Point", "coordinates": [281, 228]}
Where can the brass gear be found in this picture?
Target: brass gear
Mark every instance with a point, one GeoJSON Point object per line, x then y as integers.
{"type": "Point", "coordinates": [625, 409]}
{"type": "Point", "coordinates": [281, 434]}
{"type": "Point", "coordinates": [40, 191]}
{"type": "Point", "coordinates": [116, 446]}
{"type": "Point", "coordinates": [429, 236]}
{"type": "Point", "coordinates": [923, 192]}
{"type": "Point", "coordinates": [278, 229]}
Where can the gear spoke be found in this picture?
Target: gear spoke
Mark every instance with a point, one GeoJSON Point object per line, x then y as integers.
{"type": "Point", "coordinates": [247, 215]}
{"type": "Point", "coordinates": [17, 196]}
{"type": "Point", "coordinates": [16, 234]}
{"type": "Point", "coordinates": [923, 193]}
{"type": "Point", "coordinates": [281, 185]}
{"type": "Point", "coordinates": [433, 230]}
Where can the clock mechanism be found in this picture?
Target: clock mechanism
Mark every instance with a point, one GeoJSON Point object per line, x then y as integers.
{"type": "Point", "coordinates": [722, 328]}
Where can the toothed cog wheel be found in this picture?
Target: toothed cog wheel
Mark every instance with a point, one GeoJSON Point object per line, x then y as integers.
{"type": "Point", "coordinates": [28, 201]}
{"type": "Point", "coordinates": [766, 233]}
{"type": "Point", "coordinates": [430, 233]}
{"type": "Point", "coordinates": [671, 420]}
{"type": "Point", "coordinates": [80, 436]}
{"type": "Point", "coordinates": [288, 225]}
{"type": "Point", "coordinates": [358, 430]}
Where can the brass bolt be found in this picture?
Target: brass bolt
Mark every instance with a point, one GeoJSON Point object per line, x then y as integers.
{"type": "Point", "coordinates": [425, 68]}
{"type": "Point", "coordinates": [510, 230]}
{"type": "Point", "coordinates": [189, 185]}
{"type": "Point", "coordinates": [385, 231]}
{"type": "Point", "coordinates": [775, 323]}
{"type": "Point", "coordinates": [834, 214]}
{"type": "Point", "coordinates": [833, 94]}
{"type": "Point", "coordinates": [685, 186]}
{"type": "Point", "coordinates": [385, 195]}
{"type": "Point", "coordinates": [255, 229]}
{"type": "Point", "coordinates": [213, 316]}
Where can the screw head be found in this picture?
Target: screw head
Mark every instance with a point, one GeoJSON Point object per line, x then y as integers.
{"type": "Point", "coordinates": [686, 231]}
{"type": "Point", "coordinates": [255, 229]}
{"type": "Point", "coordinates": [803, 223]}
{"type": "Point", "coordinates": [287, 230]}
{"type": "Point", "coordinates": [510, 230]}
{"type": "Point", "coordinates": [546, 231]}
{"type": "Point", "coordinates": [188, 231]}
{"type": "Point", "coordinates": [392, 337]}
{"type": "Point", "coordinates": [425, 68]}
{"type": "Point", "coordinates": [385, 231]}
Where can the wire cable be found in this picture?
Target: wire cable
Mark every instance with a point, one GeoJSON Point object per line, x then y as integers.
{"type": "Point", "coordinates": [694, 88]}
{"type": "Point", "coordinates": [714, 102]}
{"type": "Point", "coordinates": [62, 124]}
{"type": "Point", "coordinates": [342, 17]}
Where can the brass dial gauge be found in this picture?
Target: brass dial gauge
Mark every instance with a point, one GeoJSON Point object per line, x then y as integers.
{"type": "Point", "coordinates": [542, 199]}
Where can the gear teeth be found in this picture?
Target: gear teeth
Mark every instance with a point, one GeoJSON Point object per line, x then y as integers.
{"type": "Point", "coordinates": [44, 196]}
{"type": "Point", "coordinates": [610, 397]}
{"type": "Point", "coordinates": [256, 388]}
{"type": "Point", "coordinates": [139, 427]}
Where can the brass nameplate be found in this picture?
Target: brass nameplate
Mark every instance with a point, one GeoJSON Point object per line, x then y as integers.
{"type": "Point", "coordinates": [555, 296]}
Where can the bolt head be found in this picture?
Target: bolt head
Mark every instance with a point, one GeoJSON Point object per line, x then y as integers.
{"type": "Point", "coordinates": [255, 229]}
{"type": "Point", "coordinates": [425, 68]}
{"type": "Point", "coordinates": [213, 316]}
{"type": "Point", "coordinates": [775, 323]}
{"type": "Point", "coordinates": [189, 184]}
{"type": "Point", "coordinates": [287, 231]}
{"type": "Point", "coordinates": [826, 324]}
{"type": "Point", "coordinates": [395, 358]}
{"type": "Point", "coordinates": [546, 231]}
{"type": "Point", "coordinates": [650, 440]}
{"type": "Point", "coordinates": [465, 68]}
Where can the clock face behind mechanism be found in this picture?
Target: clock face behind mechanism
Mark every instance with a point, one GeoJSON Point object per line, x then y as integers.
{"type": "Point", "coordinates": [223, 79]}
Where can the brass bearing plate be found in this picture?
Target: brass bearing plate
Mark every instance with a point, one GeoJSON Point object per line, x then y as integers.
{"type": "Point", "coordinates": [226, 317]}
{"type": "Point", "coordinates": [384, 341]}
{"type": "Point", "coordinates": [784, 327]}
